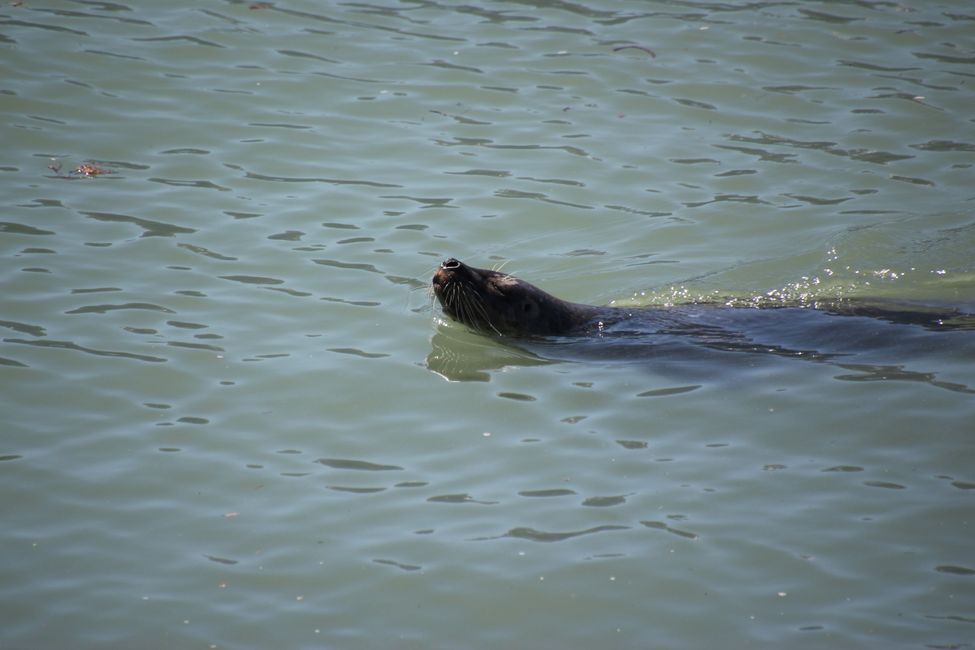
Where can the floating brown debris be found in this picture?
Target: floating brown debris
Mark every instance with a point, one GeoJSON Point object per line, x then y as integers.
{"type": "Point", "coordinates": [90, 169]}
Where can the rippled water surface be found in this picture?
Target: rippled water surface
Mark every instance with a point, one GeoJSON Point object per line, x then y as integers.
{"type": "Point", "coordinates": [234, 419]}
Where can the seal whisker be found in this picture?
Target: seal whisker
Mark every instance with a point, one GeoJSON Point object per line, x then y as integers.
{"type": "Point", "coordinates": [471, 311]}
{"type": "Point", "coordinates": [454, 299]}
{"type": "Point", "coordinates": [481, 310]}
{"type": "Point", "coordinates": [467, 305]}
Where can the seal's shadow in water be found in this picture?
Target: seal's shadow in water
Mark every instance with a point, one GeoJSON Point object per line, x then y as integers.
{"type": "Point", "coordinates": [709, 344]}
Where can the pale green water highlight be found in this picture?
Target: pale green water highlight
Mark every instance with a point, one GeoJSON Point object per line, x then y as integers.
{"type": "Point", "coordinates": [225, 417]}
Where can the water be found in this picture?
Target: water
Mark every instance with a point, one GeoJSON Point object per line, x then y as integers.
{"type": "Point", "coordinates": [227, 422]}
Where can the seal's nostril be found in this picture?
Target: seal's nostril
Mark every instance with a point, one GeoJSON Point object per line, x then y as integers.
{"type": "Point", "coordinates": [450, 263]}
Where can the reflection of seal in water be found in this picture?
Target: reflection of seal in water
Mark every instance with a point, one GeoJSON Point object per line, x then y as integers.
{"type": "Point", "coordinates": [497, 303]}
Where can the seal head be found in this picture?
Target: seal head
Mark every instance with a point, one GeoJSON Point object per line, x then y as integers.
{"type": "Point", "coordinates": [497, 303]}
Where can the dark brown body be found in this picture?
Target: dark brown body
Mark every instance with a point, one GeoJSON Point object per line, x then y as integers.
{"type": "Point", "coordinates": [497, 303]}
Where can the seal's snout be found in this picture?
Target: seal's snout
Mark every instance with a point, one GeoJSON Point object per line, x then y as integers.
{"type": "Point", "coordinates": [445, 273]}
{"type": "Point", "coordinates": [497, 303]}
{"type": "Point", "coordinates": [448, 271]}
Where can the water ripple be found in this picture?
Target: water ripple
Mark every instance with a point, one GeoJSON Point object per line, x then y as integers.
{"type": "Point", "coordinates": [359, 353]}
{"type": "Point", "coordinates": [252, 279]}
{"type": "Point", "coordinates": [348, 265]}
{"type": "Point", "coordinates": [22, 229]}
{"type": "Point", "coordinates": [54, 28]}
{"type": "Point", "coordinates": [399, 565]}
{"type": "Point", "coordinates": [459, 498]}
{"type": "Point", "coordinates": [200, 184]}
{"type": "Point", "coordinates": [115, 55]}
{"type": "Point", "coordinates": [866, 155]}
{"type": "Point", "coordinates": [149, 227]}
{"type": "Point", "coordinates": [533, 535]}
{"type": "Point", "coordinates": [179, 38]}
{"type": "Point", "coordinates": [660, 525]}
{"type": "Point", "coordinates": [24, 328]}
{"type": "Point", "coordinates": [297, 179]}
{"type": "Point", "coordinates": [68, 345]}
{"type": "Point", "coordinates": [103, 309]}
{"type": "Point", "coordinates": [201, 250]}
{"type": "Point", "coordinates": [360, 465]}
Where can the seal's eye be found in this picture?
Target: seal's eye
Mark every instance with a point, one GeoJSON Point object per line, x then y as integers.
{"type": "Point", "coordinates": [528, 307]}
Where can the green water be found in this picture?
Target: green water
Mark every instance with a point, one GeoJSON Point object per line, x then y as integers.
{"type": "Point", "coordinates": [233, 418]}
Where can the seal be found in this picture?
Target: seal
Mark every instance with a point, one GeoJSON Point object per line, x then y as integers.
{"type": "Point", "coordinates": [869, 339]}
{"type": "Point", "coordinates": [492, 302]}
{"type": "Point", "coordinates": [498, 303]}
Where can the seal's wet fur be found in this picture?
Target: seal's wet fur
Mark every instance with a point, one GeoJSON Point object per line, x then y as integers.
{"type": "Point", "coordinates": [494, 302]}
